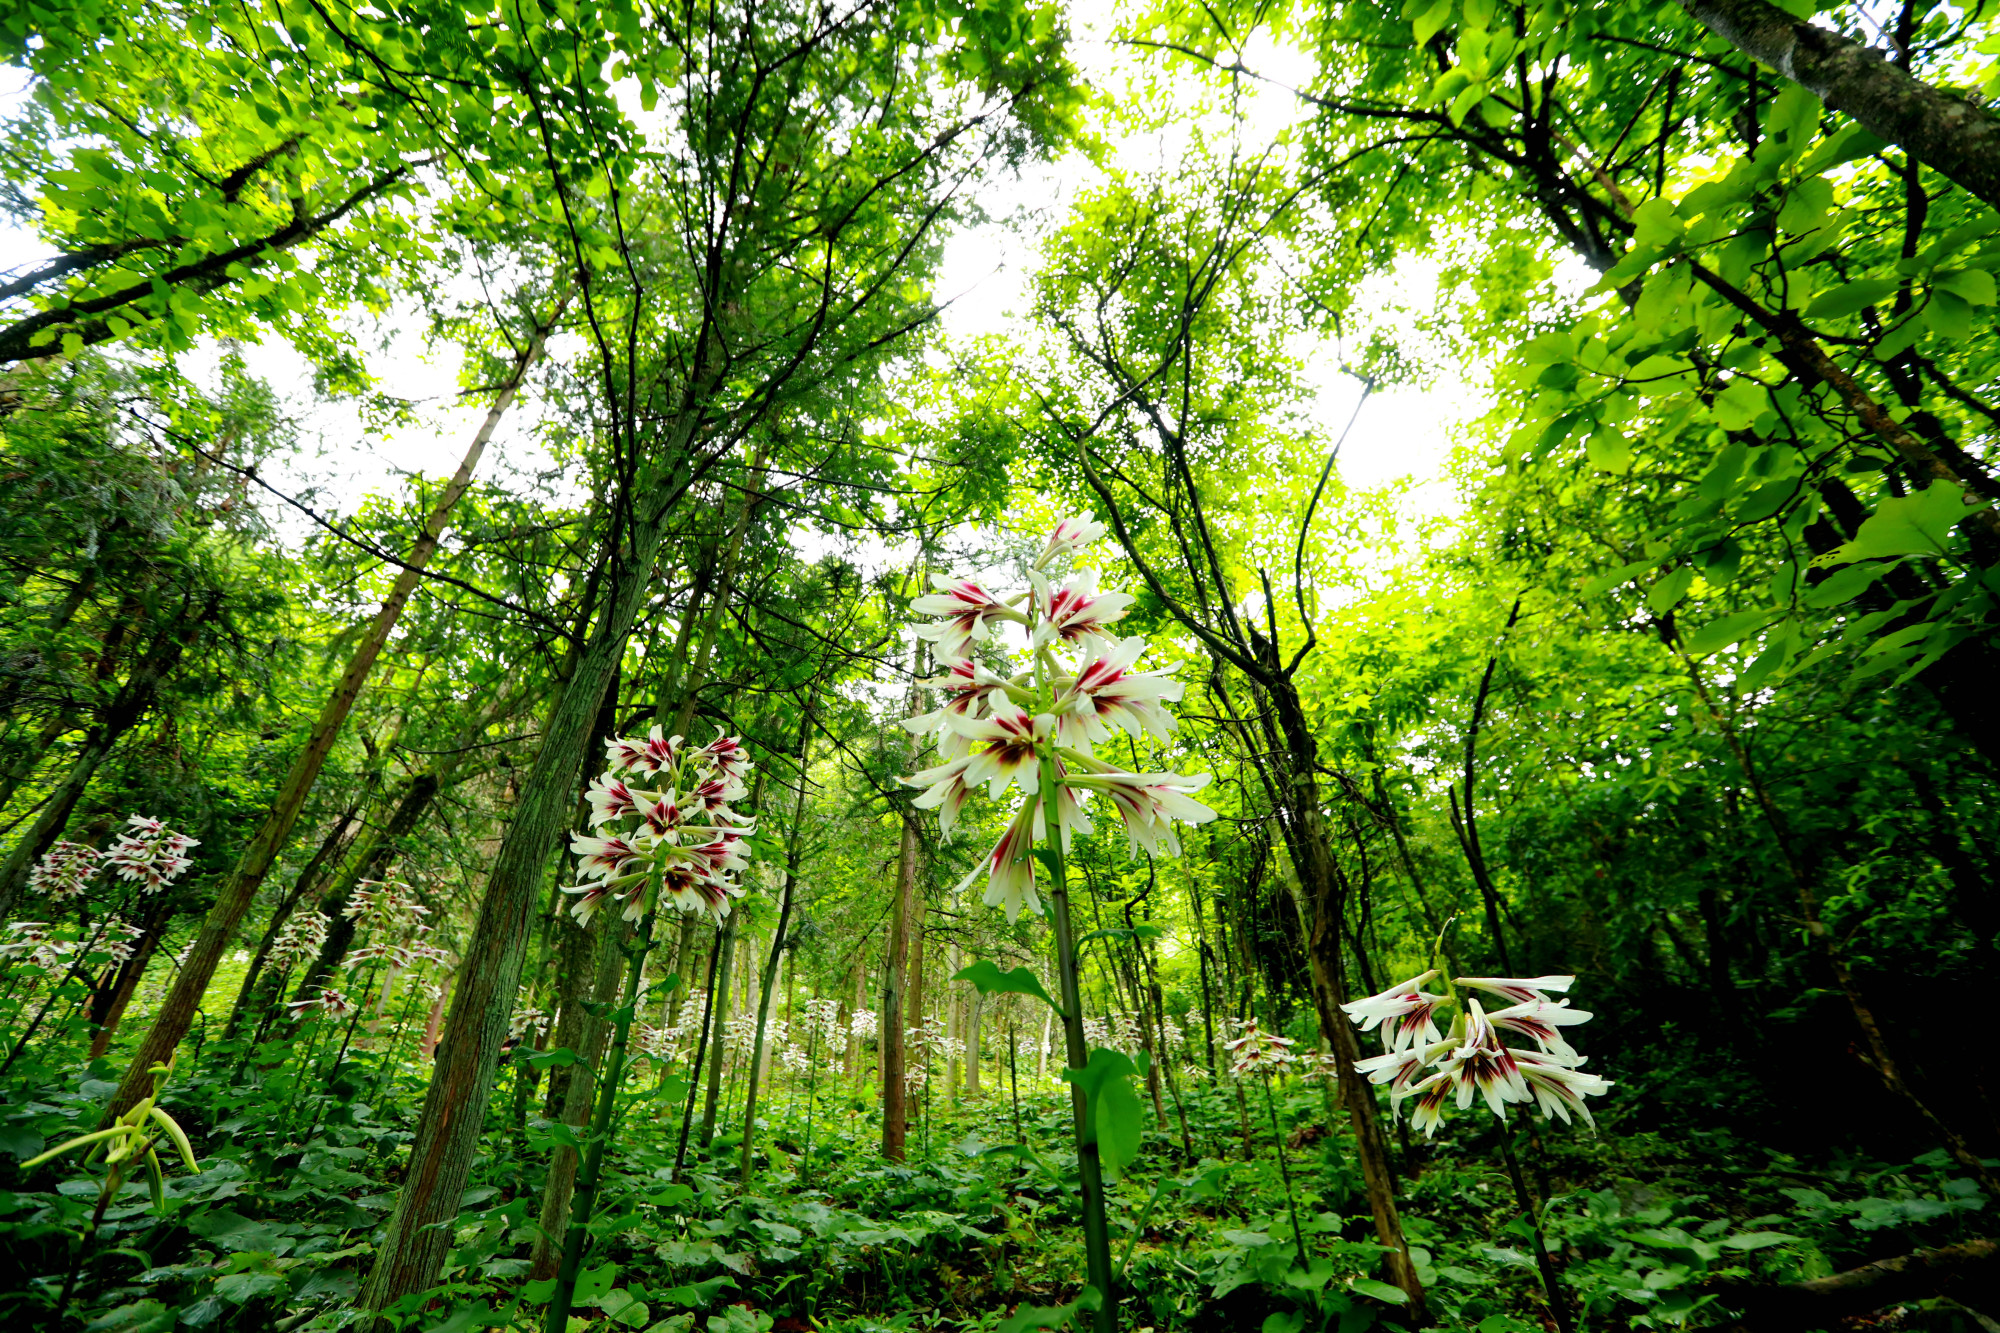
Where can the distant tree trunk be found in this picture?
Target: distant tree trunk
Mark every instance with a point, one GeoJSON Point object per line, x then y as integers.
{"type": "Point", "coordinates": [856, 1006]}
{"type": "Point", "coordinates": [590, 956]}
{"type": "Point", "coordinates": [177, 1012]}
{"type": "Point", "coordinates": [306, 884]}
{"type": "Point", "coordinates": [889, 1028]}
{"type": "Point", "coordinates": [718, 1030]}
{"type": "Point", "coordinates": [793, 849]}
{"type": "Point", "coordinates": [107, 1005]}
{"type": "Point", "coordinates": [428, 1047]}
{"type": "Point", "coordinates": [378, 850]}
{"type": "Point", "coordinates": [974, 1004]}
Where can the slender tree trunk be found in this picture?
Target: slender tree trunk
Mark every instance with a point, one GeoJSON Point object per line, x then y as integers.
{"type": "Point", "coordinates": [590, 956]}
{"type": "Point", "coordinates": [306, 883]}
{"type": "Point", "coordinates": [889, 1033]}
{"type": "Point", "coordinates": [419, 1235]}
{"type": "Point", "coordinates": [108, 1005]}
{"type": "Point", "coordinates": [793, 848]}
{"type": "Point", "coordinates": [130, 706]}
{"type": "Point", "coordinates": [177, 1012]}
{"type": "Point", "coordinates": [378, 850]}
{"type": "Point", "coordinates": [718, 1031]}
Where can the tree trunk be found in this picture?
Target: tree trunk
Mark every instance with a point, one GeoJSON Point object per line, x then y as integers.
{"type": "Point", "coordinates": [306, 882]}
{"type": "Point", "coordinates": [371, 860]}
{"type": "Point", "coordinates": [419, 1235]}
{"type": "Point", "coordinates": [177, 1012]}
{"type": "Point", "coordinates": [793, 849]}
{"type": "Point", "coordinates": [1946, 130]}
{"type": "Point", "coordinates": [107, 1006]}
{"type": "Point", "coordinates": [889, 1028]}
{"type": "Point", "coordinates": [718, 1031]}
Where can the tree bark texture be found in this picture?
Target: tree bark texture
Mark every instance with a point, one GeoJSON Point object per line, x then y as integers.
{"type": "Point", "coordinates": [889, 1029]}
{"type": "Point", "coordinates": [1947, 131]}
{"type": "Point", "coordinates": [590, 961]}
{"type": "Point", "coordinates": [419, 1233]}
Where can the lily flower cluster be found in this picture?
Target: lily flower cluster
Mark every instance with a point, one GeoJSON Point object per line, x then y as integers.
{"type": "Point", "coordinates": [1078, 688]}
{"type": "Point", "coordinates": [150, 854]}
{"type": "Point", "coordinates": [300, 938]}
{"type": "Point", "coordinates": [64, 871]}
{"type": "Point", "coordinates": [665, 806]}
{"type": "Point", "coordinates": [328, 1002]}
{"type": "Point", "coordinates": [1472, 1059]}
{"type": "Point", "coordinates": [1255, 1051]}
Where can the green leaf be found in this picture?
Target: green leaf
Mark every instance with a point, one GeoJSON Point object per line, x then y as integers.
{"type": "Point", "coordinates": [1739, 404]}
{"type": "Point", "coordinates": [1757, 1240]}
{"type": "Point", "coordinates": [1843, 585]}
{"type": "Point", "coordinates": [1668, 591]}
{"type": "Point", "coordinates": [1972, 285]}
{"type": "Point", "coordinates": [988, 979]}
{"type": "Point", "coordinates": [1608, 450]}
{"type": "Point", "coordinates": [1381, 1291]}
{"type": "Point", "coordinates": [1031, 1318]}
{"type": "Point", "coordinates": [239, 1288]}
{"type": "Point", "coordinates": [1909, 525]}
{"type": "Point", "coordinates": [1730, 629]}
{"type": "Point", "coordinates": [1113, 1114]}
{"type": "Point", "coordinates": [1849, 298]}
{"type": "Point", "coordinates": [467, 1317]}
{"type": "Point", "coordinates": [591, 1284]}
{"type": "Point", "coordinates": [1428, 24]}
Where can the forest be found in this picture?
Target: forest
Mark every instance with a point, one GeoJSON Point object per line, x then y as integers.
{"type": "Point", "coordinates": [982, 666]}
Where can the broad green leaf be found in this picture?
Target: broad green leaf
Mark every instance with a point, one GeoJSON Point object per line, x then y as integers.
{"type": "Point", "coordinates": [1381, 1291]}
{"type": "Point", "coordinates": [1113, 1112]}
{"type": "Point", "coordinates": [988, 979]}
{"type": "Point", "coordinates": [1431, 21]}
{"type": "Point", "coordinates": [593, 1283]}
{"type": "Point", "coordinates": [1730, 629]}
{"type": "Point", "coordinates": [1668, 591]}
{"type": "Point", "coordinates": [1909, 525]}
{"type": "Point", "coordinates": [1972, 285]}
{"type": "Point", "coordinates": [1609, 451]}
{"type": "Point", "coordinates": [1844, 585]}
{"type": "Point", "coordinates": [1757, 1240]}
{"type": "Point", "coordinates": [1850, 297]}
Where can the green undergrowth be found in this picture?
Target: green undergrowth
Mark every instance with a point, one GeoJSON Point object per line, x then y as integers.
{"type": "Point", "coordinates": [978, 1228]}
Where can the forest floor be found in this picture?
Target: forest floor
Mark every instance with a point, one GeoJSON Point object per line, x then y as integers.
{"type": "Point", "coordinates": [974, 1231]}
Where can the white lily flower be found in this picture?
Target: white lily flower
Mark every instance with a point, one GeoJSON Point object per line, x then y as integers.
{"type": "Point", "coordinates": [1106, 693]}
{"type": "Point", "coordinates": [1559, 1087]}
{"type": "Point", "coordinates": [1010, 866]}
{"type": "Point", "coordinates": [1542, 1020]}
{"type": "Point", "coordinates": [967, 611]}
{"type": "Point", "coordinates": [1004, 749]}
{"type": "Point", "coordinates": [1518, 989]}
{"type": "Point", "coordinates": [1483, 1066]}
{"type": "Point", "coordinates": [1069, 535]}
{"type": "Point", "coordinates": [945, 790]}
{"type": "Point", "coordinates": [1404, 1012]}
{"type": "Point", "coordinates": [1075, 609]}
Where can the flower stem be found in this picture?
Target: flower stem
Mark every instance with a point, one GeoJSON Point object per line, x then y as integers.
{"type": "Point", "coordinates": [1096, 1232]}
{"type": "Point", "coordinates": [1285, 1170]}
{"type": "Point", "coordinates": [1550, 1283]}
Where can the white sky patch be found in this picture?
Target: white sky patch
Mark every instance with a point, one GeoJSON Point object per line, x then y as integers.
{"type": "Point", "coordinates": [1402, 432]}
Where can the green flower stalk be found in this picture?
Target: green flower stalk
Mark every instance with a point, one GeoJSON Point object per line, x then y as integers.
{"type": "Point", "coordinates": [1036, 729]}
